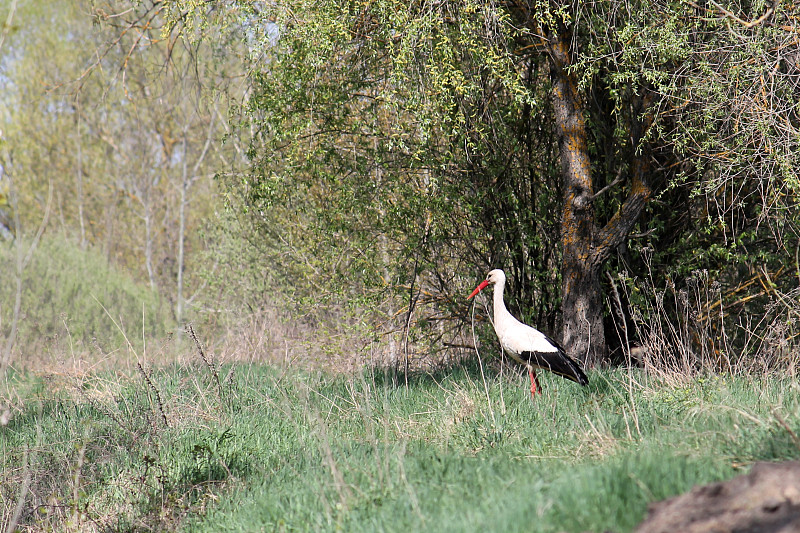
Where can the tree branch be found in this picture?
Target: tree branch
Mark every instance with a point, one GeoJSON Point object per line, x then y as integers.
{"type": "Point", "coordinates": [605, 189]}
{"type": "Point", "coordinates": [7, 25]}
{"type": "Point", "coordinates": [730, 15]}
{"type": "Point", "coordinates": [618, 228]}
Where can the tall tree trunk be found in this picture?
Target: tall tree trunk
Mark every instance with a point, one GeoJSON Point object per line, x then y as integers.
{"type": "Point", "coordinates": [79, 177]}
{"type": "Point", "coordinates": [148, 244]}
{"type": "Point", "coordinates": [583, 333]}
{"type": "Point", "coordinates": [585, 245]}
{"type": "Point", "coordinates": [181, 234]}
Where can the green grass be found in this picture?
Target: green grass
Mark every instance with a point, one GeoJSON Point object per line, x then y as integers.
{"type": "Point", "coordinates": [263, 448]}
{"type": "Point", "coordinates": [74, 300]}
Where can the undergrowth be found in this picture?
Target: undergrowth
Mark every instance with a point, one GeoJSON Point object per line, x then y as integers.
{"type": "Point", "coordinates": [73, 300]}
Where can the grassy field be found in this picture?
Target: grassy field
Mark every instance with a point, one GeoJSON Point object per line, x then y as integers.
{"type": "Point", "coordinates": [265, 448]}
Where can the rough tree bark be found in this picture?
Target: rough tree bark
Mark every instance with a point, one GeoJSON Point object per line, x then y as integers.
{"type": "Point", "coordinates": [583, 331]}
{"type": "Point", "coordinates": [585, 244]}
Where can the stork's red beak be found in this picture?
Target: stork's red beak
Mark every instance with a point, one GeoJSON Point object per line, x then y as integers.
{"type": "Point", "coordinates": [479, 288]}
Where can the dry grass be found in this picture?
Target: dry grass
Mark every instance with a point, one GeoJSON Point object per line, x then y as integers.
{"type": "Point", "coordinates": [684, 330]}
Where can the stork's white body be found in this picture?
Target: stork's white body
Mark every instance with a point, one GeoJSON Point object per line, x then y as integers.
{"type": "Point", "coordinates": [516, 337]}
{"type": "Point", "coordinates": [527, 345]}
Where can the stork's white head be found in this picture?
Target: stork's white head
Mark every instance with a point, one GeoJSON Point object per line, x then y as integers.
{"type": "Point", "coordinates": [494, 277]}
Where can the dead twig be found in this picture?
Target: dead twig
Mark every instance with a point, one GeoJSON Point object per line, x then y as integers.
{"type": "Point", "coordinates": [785, 426]}
{"type": "Point", "coordinates": [209, 364]}
{"type": "Point", "coordinates": [155, 391]}
{"type": "Point", "coordinates": [745, 23]}
{"type": "Point", "coordinates": [605, 189]}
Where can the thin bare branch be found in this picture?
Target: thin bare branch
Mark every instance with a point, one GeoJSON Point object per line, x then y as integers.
{"type": "Point", "coordinates": [608, 187]}
{"type": "Point", "coordinates": [745, 23]}
{"type": "Point", "coordinates": [9, 20]}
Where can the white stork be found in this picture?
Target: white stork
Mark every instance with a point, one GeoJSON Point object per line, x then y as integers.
{"type": "Point", "coordinates": [526, 345]}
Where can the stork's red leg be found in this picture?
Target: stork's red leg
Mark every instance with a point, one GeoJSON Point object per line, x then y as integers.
{"type": "Point", "coordinates": [535, 387]}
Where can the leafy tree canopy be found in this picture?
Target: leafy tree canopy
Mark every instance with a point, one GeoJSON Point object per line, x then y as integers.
{"type": "Point", "coordinates": [405, 147]}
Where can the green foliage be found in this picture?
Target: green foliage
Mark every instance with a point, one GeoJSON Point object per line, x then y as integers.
{"type": "Point", "coordinates": [75, 297]}
{"type": "Point", "coordinates": [716, 85]}
{"type": "Point", "coordinates": [402, 150]}
{"type": "Point", "coordinates": [116, 122]}
{"type": "Point", "coordinates": [381, 170]}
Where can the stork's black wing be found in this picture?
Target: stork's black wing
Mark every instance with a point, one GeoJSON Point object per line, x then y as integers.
{"type": "Point", "coordinates": [556, 362]}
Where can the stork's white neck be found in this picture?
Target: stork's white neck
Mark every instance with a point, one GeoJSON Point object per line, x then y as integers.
{"type": "Point", "coordinates": [500, 310]}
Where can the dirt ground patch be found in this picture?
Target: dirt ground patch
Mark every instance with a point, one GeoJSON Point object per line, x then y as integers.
{"type": "Point", "coordinates": [767, 500]}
